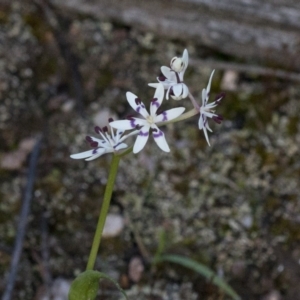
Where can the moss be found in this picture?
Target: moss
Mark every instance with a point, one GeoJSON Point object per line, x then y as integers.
{"type": "Point", "coordinates": [104, 79]}
{"type": "Point", "coordinates": [38, 26]}
{"type": "Point", "coordinates": [292, 126]}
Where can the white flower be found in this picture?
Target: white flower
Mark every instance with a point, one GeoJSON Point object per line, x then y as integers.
{"type": "Point", "coordinates": [109, 143]}
{"type": "Point", "coordinates": [206, 109]}
{"type": "Point", "coordinates": [172, 78]}
{"type": "Point", "coordinates": [150, 120]}
{"type": "Point", "coordinates": [179, 64]}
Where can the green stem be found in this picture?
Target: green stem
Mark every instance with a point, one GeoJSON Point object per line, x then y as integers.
{"type": "Point", "coordinates": [184, 116]}
{"type": "Point", "coordinates": [104, 209]}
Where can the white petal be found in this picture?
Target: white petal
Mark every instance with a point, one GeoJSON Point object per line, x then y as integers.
{"type": "Point", "coordinates": [180, 91]}
{"type": "Point", "coordinates": [141, 109]}
{"type": "Point", "coordinates": [206, 135]}
{"type": "Point", "coordinates": [177, 90]}
{"type": "Point", "coordinates": [123, 124]}
{"type": "Point", "coordinates": [207, 127]}
{"type": "Point", "coordinates": [201, 122]}
{"type": "Point", "coordinates": [209, 82]}
{"type": "Point", "coordinates": [204, 96]}
{"type": "Point", "coordinates": [208, 114]}
{"type": "Point", "coordinates": [185, 91]}
{"type": "Point", "coordinates": [121, 146]}
{"type": "Point", "coordinates": [160, 140]}
{"type": "Point", "coordinates": [168, 93]}
{"type": "Point", "coordinates": [131, 99]}
{"type": "Point", "coordinates": [141, 140]}
{"type": "Point", "coordinates": [138, 107]}
{"type": "Point", "coordinates": [82, 154]}
{"type": "Point", "coordinates": [101, 143]}
{"type": "Point", "coordinates": [169, 114]}
{"type": "Point", "coordinates": [204, 125]}
{"type": "Point", "coordinates": [154, 85]}
{"type": "Point", "coordinates": [98, 154]}
{"type": "Point", "coordinates": [159, 95]}
{"type": "Point", "coordinates": [128, 135]}
{"type": "Point", "coordinates": [169, 74]}
{"type": "Point", "coordinates": [116, 136]}
{"type": "Point", "coordinates": [167, 83]}
{"type": "Point", "coordinates": [185, 58]}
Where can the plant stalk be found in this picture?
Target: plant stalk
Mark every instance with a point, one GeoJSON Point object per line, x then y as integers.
{"type": "Point", "coordinates": [104, 210]}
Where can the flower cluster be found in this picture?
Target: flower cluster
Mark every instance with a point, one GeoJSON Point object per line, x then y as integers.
{"type": "Point", "coordinates": [172, 80]}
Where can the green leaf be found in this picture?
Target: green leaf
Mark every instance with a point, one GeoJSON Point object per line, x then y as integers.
{"type": "Point", "coordinates": [199, 268]}
{"type": "Point", "coordinates": [86, 285]}
{"type": "Point", "coordinates": [161, 243]}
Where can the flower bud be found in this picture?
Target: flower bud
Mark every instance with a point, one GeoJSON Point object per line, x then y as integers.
{"type": "Point", "coordinates": [179, 91]}
{"type": "Point", "coordinates": [177, 64]}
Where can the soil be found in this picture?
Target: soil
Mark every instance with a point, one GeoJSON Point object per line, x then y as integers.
{"type": "Point", "coordinates": [233, 207]}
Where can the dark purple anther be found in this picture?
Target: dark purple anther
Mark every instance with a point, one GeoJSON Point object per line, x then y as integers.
{"type": "Point", "coordinates": [161, 78]}
{"type": "Point", "coordinates": [105, 129]}
{"type": "Point", "coordinates": [219, 97]}
{"type": "Point", "coordinates": [218, 119]}
{"type": "Point", "coordinates": [88, 139]}
{"type": "Point", "coordinates": [110, 120]}
{"type": "Point", "coordinates": [98, 129]}
{"type": "Point", "coordinates": [138, 101]}
{"type": "Point", "coordinates": [94, 144]}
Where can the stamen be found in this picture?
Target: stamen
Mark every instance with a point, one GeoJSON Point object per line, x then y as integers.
{"type": "Point", "coordinates": [94, 144]}
{"type": "Point", "coordinates": [219, 97]}
{"type": "Point", "coordinates": [98, 129]}
{"type": "Point", "coordinates": [88, 139]}
{"type": "Point", "coordinates": [110, 120]}
{"type": "Point", "coordinates": [105, 129]}
{"type": "Point", "coordinates": [218, 119]}
{"type": "Point", "coordinates": [161, 78]}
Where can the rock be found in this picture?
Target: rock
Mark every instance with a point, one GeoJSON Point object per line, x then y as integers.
{"type": "Point", "coordinates": [114, 225]}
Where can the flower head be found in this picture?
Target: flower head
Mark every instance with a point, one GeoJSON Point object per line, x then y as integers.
{"type": "Point", "coordinates": [108, 143]}
{"type": "Point", "coordinates": [149, 122]}
{"type": "Point", "coordinates": [172, 78]}
{"type": "Point", "coordinates": [179, 64]}
{"type": "Point", "coordinates": [206, 110]}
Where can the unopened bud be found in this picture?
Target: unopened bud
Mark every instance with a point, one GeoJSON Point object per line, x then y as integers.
{"type": "Point", "coordinates": [177, 64]}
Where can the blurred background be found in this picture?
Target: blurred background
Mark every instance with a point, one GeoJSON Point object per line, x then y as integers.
{"type": "Point", "coordinates": [65, 67]}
